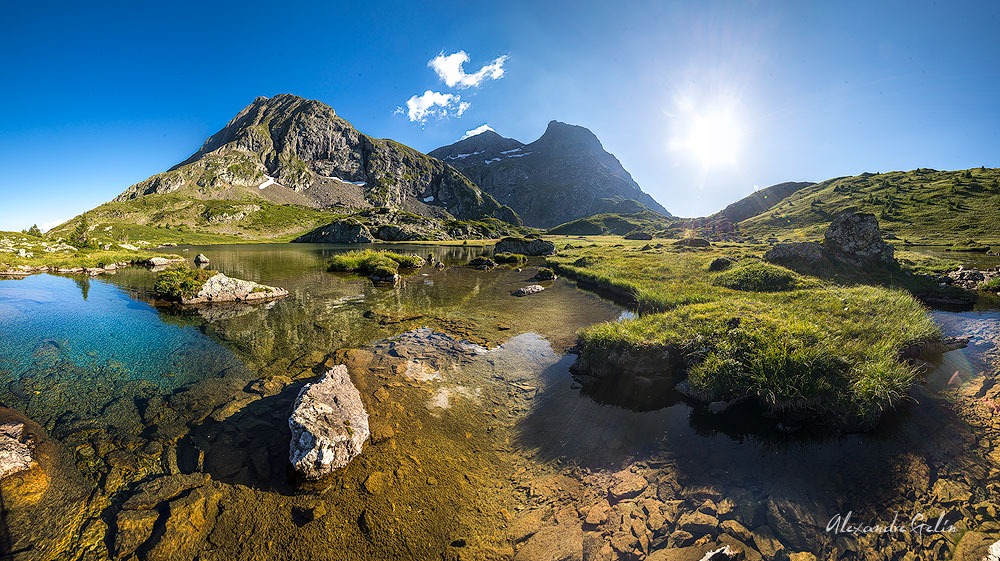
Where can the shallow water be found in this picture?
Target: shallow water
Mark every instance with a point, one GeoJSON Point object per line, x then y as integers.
{"type": "Point", "coordinates": [969, 259]}
{"type": "Point", "coordinates": [478, 428]}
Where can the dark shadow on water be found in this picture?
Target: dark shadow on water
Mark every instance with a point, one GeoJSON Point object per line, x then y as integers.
{"type": "Point", "coordinates": [248, 448]}
{"type": "Point", "coordinates": [742, 454]}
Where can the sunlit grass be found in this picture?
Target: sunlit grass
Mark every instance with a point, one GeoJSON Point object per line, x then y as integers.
{"type": "Point", "coordinates": [787, 340]}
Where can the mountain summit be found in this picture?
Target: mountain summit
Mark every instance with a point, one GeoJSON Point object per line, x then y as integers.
{"type": "Point", "coordinates": [287, 149]}
{"type": "Point", "coordinates": [564, 175]}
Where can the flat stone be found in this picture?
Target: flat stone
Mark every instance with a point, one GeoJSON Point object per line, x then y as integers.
{"type": "Point", "coordinates": [737, 530]}
{"type": "Point", "coordinates": [163, 488]}
{"type": "Point", "coordinates": [220, 288]}
{"type": "Point", "coordinates": [528, 290]}
{"type": "Point", "coordinates": [766, 542]}
{"type": "Point", "coordinates": [190, 520]}
{"type": "Point", "coordinates": [133, 528]}
{"type": "Point", "coordinates": [553, 543]}
{"type": "Point", "coordinates": [626, 485]}
{"type": "Point", "coordinates": [698, 523]}
{"type": "Point", "coordinates": [949, 492]}
{"type": "Point", "coordinates": [329, 425]}
{"type": "Point", "coordinates": [15, 455]}
{"type": "Point", "coordinates": [597, 515]}
{"type": "Point", "coordinates": [525, 526]}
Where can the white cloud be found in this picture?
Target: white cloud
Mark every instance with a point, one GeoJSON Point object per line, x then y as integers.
{"type": "Point", "coordinates": [50, 224]}
{"type": "Point", "coordinates": [434, 104]}
{"type": "Point", "coordinates": [480, 129]}
{"type": "Point", "coordinates": [449, 68]}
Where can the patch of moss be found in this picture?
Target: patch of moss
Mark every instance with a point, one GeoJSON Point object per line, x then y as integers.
{"type": "Point", "coordinates": [181, 282]}
{"type": "Point", "coordinates": [370, 261]}
{"type": "Point", "coordinates": [505, 257]}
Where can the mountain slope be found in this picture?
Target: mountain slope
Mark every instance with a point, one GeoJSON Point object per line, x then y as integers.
{"type": "Point", "coordinates": [922, 205]}
{"type": "Point", "coordinates": [723, 224]}
{"type": "Point", "coordinates": [287, 149]}
{"type": "Point", "coordinates": [564, 175]}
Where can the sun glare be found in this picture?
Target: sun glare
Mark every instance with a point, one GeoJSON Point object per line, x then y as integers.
{"type": "Point", "coordinates": [715, 139]}
{"type": "Point", "coordinates": [709, 136]}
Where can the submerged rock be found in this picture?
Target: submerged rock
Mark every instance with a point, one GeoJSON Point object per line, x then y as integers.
{"type": "Point", "coordinates": [163, 261]}
{"type": "Point", "coordinates": [220, 288]}
{"type": "Point", "coordinates": [329, 425]}
{"type": "Point", "coordinates": [530, 289]}
{"type": "Point", "coordinates": [15, 449]}
{"type": "Point", "coordinates": [482, 263]}
{"type": "Point", "coordinates": [525, 246]}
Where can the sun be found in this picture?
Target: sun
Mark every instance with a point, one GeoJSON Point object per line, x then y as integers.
{"type": "Point", "coordinates": [715, 138]}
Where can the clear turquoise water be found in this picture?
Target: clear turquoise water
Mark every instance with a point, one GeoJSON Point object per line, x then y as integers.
{"type": "Point", "coordinates": [92, 323]}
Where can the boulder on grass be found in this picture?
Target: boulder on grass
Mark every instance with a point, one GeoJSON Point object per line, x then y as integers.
{"type": "Point", "coordinates": [525, 246]}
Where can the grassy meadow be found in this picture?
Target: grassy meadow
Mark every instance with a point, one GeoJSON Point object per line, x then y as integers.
{"type": "Point", "coordinates": [748, 329]}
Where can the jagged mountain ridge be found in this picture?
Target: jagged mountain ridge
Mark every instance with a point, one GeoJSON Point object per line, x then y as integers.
{"type": "Point", "coordinates": [564, 175]}
{"type": "Point", "coordinates": [286, 149]}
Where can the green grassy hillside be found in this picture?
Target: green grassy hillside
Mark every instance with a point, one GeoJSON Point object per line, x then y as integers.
{"type": "Point", "coordinates": [180, 219]}
{"type": "Point", "coordinates": [617, 224]}
{"type": "Point", "coordinates": [922, 206]}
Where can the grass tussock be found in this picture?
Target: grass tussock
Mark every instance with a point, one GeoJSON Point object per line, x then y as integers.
{"type": "Point", "coordinates": [790, 342]}
{"type": "Point", "coordinates": [181, 282]}
{"type": "Point", "coordinates": [759, 277]}
{"type": "Point", "coordinates": [373, 262]}
{"type": "Point", "coordinates": [992, 285]}
{"type": "Point", "coordinates": [507, 258]}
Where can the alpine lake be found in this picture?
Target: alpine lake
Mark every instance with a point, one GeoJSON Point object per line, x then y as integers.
{"type": "Point", "coordinates": [163, 431]}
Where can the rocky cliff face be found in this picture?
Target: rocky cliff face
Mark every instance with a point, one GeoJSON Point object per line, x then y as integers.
{"type": "Point", "coordinates": [564, 175]}
{"type": "Point", "coordinates": [287, 149]}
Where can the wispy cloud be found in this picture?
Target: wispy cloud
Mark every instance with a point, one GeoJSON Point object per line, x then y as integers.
{"type": "Point", "coordinates": [430, 104]}
{"type": "Point", "coordinates": [480, 129]}
{"type": "Point", "coordinates": [450, 69]}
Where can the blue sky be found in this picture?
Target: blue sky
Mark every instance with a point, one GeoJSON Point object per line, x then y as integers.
{"type": "Point", "coordinates": [700, 101]}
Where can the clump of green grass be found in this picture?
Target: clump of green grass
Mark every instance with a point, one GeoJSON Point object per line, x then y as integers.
{"type": "Point", "coordinates": [720, 264]}
{"type": "Point", "coordinates": [971, 246]}
{"type": "Point", "coordinates": [813, 347]}
{"type": "Point", "coordinates": [992, 285]}
{"type": "Point", "coordinates": [545, 273]}
{"type": "Point", "coordinates": [181, 282]}
{"type": "Point", "coordinates": [758, 277]}
{"type": "Point", "coordinates": [482, 263]}
{"type": "Point", "coordinates": [506, 257]}
{"type": "Point", "coordinates": [922, 263]}
{"type": "Point", "coordinates": [370, 261]}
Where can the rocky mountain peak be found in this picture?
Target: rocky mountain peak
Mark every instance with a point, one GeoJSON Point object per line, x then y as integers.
{"type": "Point", "coordinates": [288, 149]}
{"type": "Point", "coordinates": [563, 136]}
{"type": "Point", "coordinates": [564, 175]}
{"type": "Point", "coordinates": [487, 144]}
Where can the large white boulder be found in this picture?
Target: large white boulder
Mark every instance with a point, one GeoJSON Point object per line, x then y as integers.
{"type": "Point", "coordinates": [329, 425]}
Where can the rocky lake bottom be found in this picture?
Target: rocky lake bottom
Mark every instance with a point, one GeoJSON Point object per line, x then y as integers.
{"type": "Point", "coordinates": [163, 432]}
